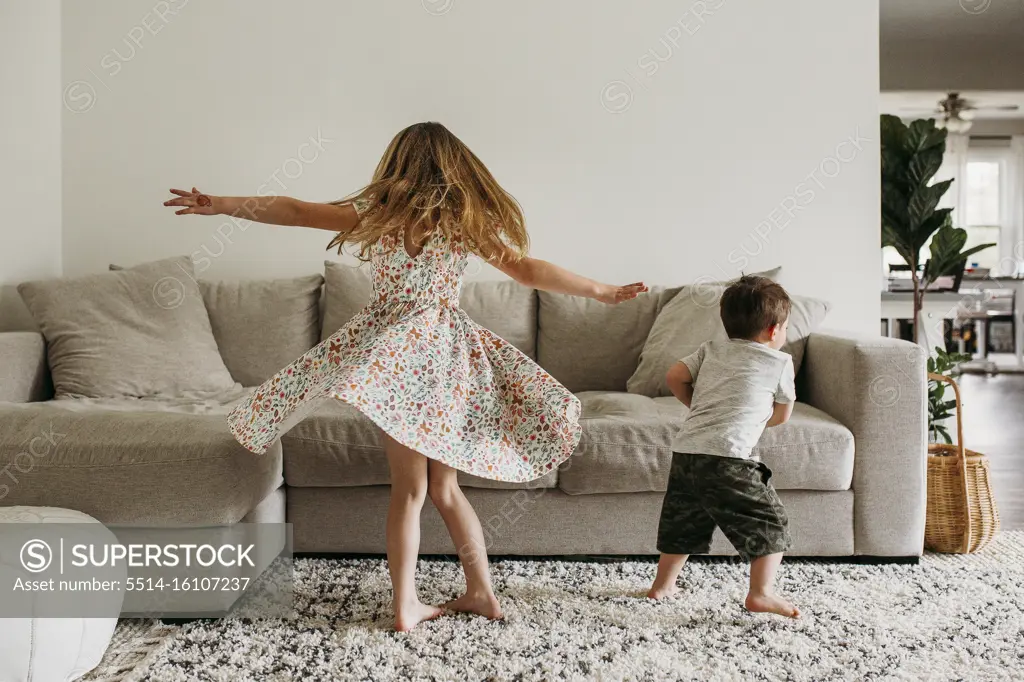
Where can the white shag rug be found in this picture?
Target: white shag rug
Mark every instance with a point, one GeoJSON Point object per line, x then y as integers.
{"type": "Point", "coordinates": [949, 617]}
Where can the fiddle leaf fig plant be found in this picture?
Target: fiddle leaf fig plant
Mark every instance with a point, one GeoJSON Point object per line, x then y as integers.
{"type": "Point", "coordinates": [911, 156]}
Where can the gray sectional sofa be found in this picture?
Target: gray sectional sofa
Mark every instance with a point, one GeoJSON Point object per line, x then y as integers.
{"type": "Point", "coordinates": [849, 465]}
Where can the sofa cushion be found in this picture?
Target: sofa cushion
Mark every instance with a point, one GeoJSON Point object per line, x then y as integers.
{"type": "Point", "coordinates": [347, 290]}
{"type": "Point", "coordinates": [626, 447]}
{"type": "Point", "coordinates": [137, 332]}
{"type": "Point", "coordinates": [591, 346]}
{"type": "Point", "coordinates": [693, 317]}
{"type": "Point", "coordinates": [131, 466]}
{"type": "Point", "coordinates": [263, 325]}
{"type": "Point", "coordinates": [336, 446]}
{"type": "Point", "coordinates": [506, 308]}
{"type": "Point", "coordinates": [23, 374]}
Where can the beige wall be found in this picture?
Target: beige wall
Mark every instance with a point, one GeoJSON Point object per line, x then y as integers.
{"type": "Point", "coordinates": [30, 147]}
{"type": "Point", "coordinates": [661, 140]}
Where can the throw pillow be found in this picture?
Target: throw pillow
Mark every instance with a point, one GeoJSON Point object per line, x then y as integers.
{"type": "Point", "coordinates": [262, 325]}
{"type": "Point", "coordinates": [693, 317]}
{"type": "Point", "coordinates": [138, 332]}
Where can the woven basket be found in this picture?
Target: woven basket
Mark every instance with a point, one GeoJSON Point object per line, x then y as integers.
{"type": "Point", "coordinates": [962, 515]}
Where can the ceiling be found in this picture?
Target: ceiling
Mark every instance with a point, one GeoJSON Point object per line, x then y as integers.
{"type": "Point", "coordinates": [961, 22]}
{"type": "Point", "coordinates": [943, 45]}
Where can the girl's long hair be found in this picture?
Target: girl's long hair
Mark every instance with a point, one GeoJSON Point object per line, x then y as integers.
{"type": "Point", "coordinates": [429, 181]}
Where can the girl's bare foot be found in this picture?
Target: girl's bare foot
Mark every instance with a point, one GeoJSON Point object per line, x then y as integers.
{"type": "Point", "coordinates": [769, 603]}
{"type": "Point", "coordinates": [662, 591]}
{"type": "Point", "coordinates": [485, 605]}
{"type": "Point", "coordinates": [408, 617]}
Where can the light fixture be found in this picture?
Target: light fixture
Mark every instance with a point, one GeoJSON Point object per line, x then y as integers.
{"type": "Point", "coordinates": [956, 115]}
{"type": "Point", "coordinates": [954, 124]}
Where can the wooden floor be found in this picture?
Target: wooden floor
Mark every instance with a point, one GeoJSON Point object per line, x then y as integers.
{"type": "Point", "coordinates": [994, 426]}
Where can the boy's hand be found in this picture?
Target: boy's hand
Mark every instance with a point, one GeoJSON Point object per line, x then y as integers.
{"type": "Point", "coordinates": [612, 294]}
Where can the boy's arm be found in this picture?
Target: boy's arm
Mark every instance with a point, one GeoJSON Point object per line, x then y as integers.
{"type": "Point", "coordinates": [680, 382]}
{"type": "Point", "coordinates": [780, 414]}
{"type": "Point", "coordinates": [785, 396]}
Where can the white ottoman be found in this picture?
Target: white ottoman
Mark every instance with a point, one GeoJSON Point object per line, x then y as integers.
{"type": "Point", "coordinates": [48, 649]}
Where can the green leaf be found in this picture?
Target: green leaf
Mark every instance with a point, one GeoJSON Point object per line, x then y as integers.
{"type": "Point", "coordinates": [936, 220]}
{"type": "Point", "coordinates": [923, 201]}
{"type": "Point", "coordinates": [947, 254]}
{"type": "Point", "coordinates": [923, 135]}
{"type": "Point", "coordinates": [892, 131]}
{"type": "Point", "coordinates": [924, 166]}
{"type": "Point", "coordinates": [975, 249]}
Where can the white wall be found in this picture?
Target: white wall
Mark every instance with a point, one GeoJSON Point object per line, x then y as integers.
{"type": "Point", "coordinates": [29, 151]}
{"type": "Point", "coordinates": [655, 140]}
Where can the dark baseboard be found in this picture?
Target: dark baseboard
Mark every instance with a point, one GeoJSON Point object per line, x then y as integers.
{"type": "Point", "coordinates": [186, 621]}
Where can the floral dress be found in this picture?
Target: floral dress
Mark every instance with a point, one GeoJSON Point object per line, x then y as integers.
{"type": "Point", "coordinates": [427, 375]}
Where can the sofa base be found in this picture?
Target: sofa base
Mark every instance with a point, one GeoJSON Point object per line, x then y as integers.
{"type": "Point", "coordinates": [547, 522]}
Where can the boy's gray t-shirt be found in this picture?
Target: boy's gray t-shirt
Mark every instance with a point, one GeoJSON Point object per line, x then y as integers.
{"type": "Point", "coordinates": [735, 386]}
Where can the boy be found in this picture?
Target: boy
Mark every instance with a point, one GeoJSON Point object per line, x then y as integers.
{"type": "Point", "coordinates": [734, 389]}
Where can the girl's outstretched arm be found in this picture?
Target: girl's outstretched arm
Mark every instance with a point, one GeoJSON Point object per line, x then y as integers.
{"type": "Point", "coordinates": [540, 274]}
{"type": "Point", "coordinates": [273, 210]}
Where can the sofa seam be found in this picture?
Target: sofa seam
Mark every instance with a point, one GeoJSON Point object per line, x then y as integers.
{"type": "Point", "coordinates": [332, 442]}
{"type": "Point", "coordinates": [131, 464]}
{"type": "Point", "coordinates": [816, 442]}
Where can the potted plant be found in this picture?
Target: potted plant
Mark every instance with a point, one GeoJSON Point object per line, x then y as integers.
{"type": "Point", "coordinates": [941, 410]}
{"type": "Point", "coordinates": [961, 513]}
{"type": "Point", "coordinates": [911, 155]}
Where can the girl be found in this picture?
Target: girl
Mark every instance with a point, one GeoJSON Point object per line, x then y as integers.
{"type": "Point", "coordinates": [448, 394]}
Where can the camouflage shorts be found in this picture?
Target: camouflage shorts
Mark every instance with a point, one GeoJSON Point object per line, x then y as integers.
{"type": "Point", "coordinates": [705, 491]}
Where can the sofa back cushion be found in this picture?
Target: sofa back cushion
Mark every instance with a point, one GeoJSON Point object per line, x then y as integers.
{"type": "Point", "coordinates": [590, 346]}
{"type": "Point", "coordinates": [138, 332]}
{"type": "Point", "coordinates": [263, 325]}
{"type": "Point", "coordinates": [506, 308]}
{"type": "Point", "coordinates": [693, 317]}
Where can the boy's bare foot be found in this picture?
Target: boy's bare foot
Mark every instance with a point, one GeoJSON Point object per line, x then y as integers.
{"type": "Point", "coordinates": [408, 617]}
{"type": "Point", "coordinates": [485, 605]}
{"type": "Point", "coordinates": [770, 603]}
{"type": "Point", "coordinates": [662, 591]}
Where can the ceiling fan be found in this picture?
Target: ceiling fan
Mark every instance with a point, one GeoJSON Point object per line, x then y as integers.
{"type": "Point", "coordinates": [956, 114]}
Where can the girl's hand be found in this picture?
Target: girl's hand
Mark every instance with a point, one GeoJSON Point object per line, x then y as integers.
{"type": "Point", "coordinates": [195, 202]}
{"type": "Point", "coordinates": [613, 294]}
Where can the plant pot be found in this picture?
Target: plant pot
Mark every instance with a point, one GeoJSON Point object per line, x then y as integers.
{"type": "Point", "coordinates": [961, 514]}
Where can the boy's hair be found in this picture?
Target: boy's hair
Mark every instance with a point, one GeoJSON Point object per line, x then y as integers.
{"type": "Point", "coordinates": [751, 305]}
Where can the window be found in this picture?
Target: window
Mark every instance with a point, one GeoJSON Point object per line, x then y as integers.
{"type": "Point", "coordinates": [983, 197]}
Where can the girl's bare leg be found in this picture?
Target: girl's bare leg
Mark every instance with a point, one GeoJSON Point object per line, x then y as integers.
{"type": "Point", "coordinates": [408, 490]}
{"type": "Point", "coordinates": [464, 528]}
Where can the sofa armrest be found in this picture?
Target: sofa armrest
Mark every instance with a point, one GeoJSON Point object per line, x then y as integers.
{"type": "Point", "coordinates": [877, 388]}
{"type": "Point", "coordinates": [23, 374]}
